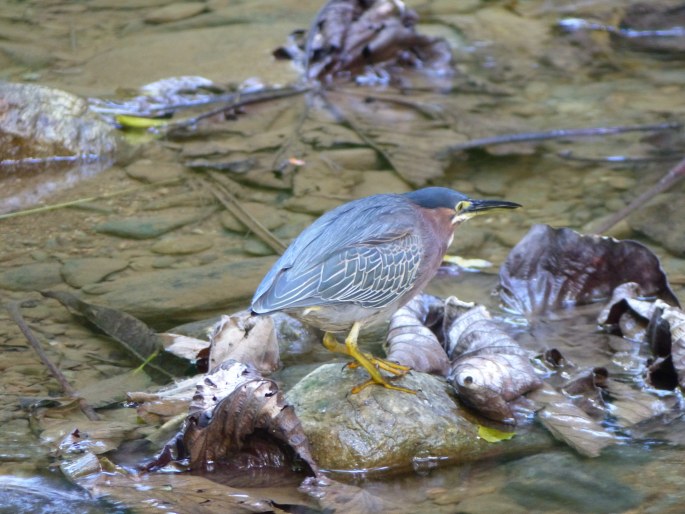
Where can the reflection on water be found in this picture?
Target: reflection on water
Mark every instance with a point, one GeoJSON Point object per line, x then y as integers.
{"type": "Point", "coordinates": [535, 80]}
{"type": "Point", "coordinates": [29, 184]}
{"type": "Point", "coordinates": [47, 496]}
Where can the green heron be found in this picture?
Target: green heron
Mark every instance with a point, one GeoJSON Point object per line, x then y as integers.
{"type": "Point", "coordinates": [363, 260]}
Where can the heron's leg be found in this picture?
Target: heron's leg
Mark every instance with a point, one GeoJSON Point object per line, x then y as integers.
{"type": "Point", "coordinates": [332, 345]}
{"type": "Point", "coordinates": [367, 363]}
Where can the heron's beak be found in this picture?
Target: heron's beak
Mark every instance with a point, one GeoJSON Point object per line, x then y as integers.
{"type": "Point", "coordinates": [471, 208]}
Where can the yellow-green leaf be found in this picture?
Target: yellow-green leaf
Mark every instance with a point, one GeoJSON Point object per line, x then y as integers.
{"type": "Point", "coordinates": [139, 122]}
{"type": "Point", "coordinates": [492, 435]}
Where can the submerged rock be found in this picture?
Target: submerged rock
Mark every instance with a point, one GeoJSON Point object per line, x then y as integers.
{"type": "Point", "coordinates": [31, 277]}
{"type": "Point", "coordinates": [147, 227]}
{"type": "Point", "coordinates": [189, 292]}
{"type": "Point", "coordinates": [182, 245]}
{"type": "Point", "coordinates": [662, 221]}
{"type": "Point", "coordinates": [79, 272]}
{"type": "Point", "coordinates": [380, 427]}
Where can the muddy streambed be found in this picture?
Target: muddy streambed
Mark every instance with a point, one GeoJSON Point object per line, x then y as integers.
{"type": "Point", "coordinates": [147, 237]}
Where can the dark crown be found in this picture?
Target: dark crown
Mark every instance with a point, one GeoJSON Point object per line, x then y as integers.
{"type": "Point", "coordinates": [436, 197]}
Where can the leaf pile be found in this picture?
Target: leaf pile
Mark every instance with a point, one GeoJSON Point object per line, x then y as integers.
{"type": "Point", "coordinates": [654, 322]}
{"type": "Point", "coordinates": [348, 36]}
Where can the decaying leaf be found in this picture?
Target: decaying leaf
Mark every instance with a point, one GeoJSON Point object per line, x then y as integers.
{"type": "Point", "coordinates": [185, 492]}
{"type": "Point", "coordinates": [247, 339]}
{"type": "Point", "coordinates": [488, 368]}
{"type": "Point", "coordinates": [661, 325]}
{"type": "Point", "coordinates": [413, 344]}
{"type": "Point", "coordinates": [585, 390]}
{"type": "Point", "coordinates": [134, 335]}
{"type": "Point", "coordinates": [240, 419]}
{"type": "Point", "coordinates": [338, 497]}
{"type": "Point", "coordinates": [631, 406]}
{"type": "Point", "coordinates": [624, 315]}
{"type": "Point", "coordinates": [551, 269]}
{"type": "Point", "coordinates": [569, 423]}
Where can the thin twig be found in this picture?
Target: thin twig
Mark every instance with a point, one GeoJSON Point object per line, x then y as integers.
{"type": "Point", "coordinates": [554, 134]}
{"type": "Point", "coordinates": [615, 159]}
{"type": "Point", "coordinates": [228, 200]}
{"type": "Point", "coordinates": [14, 309]}
{"type": "Point", "coordinates": [235, 101]}
{"type": "Point", "coordinates": [674, 175]}
{"type": "Point", "coordinates": [73, 203]}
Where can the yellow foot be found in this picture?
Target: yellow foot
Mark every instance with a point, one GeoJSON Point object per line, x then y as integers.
{"type": "Point", "coordinates": [384, 383]}
{"type": "Point", "coordinates": [389, 366]}
{"type": "Point", "coordinates": [371, 364]}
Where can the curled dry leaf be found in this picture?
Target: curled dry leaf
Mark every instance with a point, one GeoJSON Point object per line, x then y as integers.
{"type": "Point", "coordinates": [247, 339]}
{"type": "Point", "coordinates": [413, 344]}
{"type": "Point", "coordinates": [240, 419]}
{"type": "Point", "coordinates": [488, 382]}
{"type": "Point", "coordinates": [585, 391]}
{"type": "Point", "coordinates": [626, 314]}
{"type": "Point", "coordinates": [469, 329]}
{"type": "Point", "coordinates": [551, 269]}
{"type": "Point", "coordinates": [489, 369]}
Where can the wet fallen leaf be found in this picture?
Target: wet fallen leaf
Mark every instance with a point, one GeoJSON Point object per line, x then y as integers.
{"type": "Point", "coordinates": [134, 335]}
{"type": "Point", "coordinates": [114, 389]}
{"type": "Point", "coordinates": [74, 436]}
{"type": "Point", "coordinates": [338, 497]}
{"type": "Point", "coordinates": [631, 406]}
{"type": "Point", "coordinates": [552, 269]}
{"type": "Point", "coordinates": [239, 419]}
{"type": "Point", "coordinates": [492, 435]}
{"type": "Point", "coordinates": [569, 423]}
{"type": "Point", "coordinates": [152, 493]}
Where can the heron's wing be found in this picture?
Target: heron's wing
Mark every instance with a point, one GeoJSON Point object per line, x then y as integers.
{"type": "Point", "coordinates": [346, 237]}
{"type": "Point", "coordinates": [372, 274]}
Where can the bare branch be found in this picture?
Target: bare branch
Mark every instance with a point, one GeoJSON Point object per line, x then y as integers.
{"type": "Point", "coordinates": [15, 313]}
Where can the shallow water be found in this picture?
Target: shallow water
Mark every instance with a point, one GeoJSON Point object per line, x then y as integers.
{"type": "Point", "coordinates": [544, 80]}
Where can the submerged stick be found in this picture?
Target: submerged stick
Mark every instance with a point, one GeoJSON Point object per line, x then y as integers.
{"type": "Point", "coordinates": [674, 175]}
{"type": "Point", "coordinates": [232, 205]}
{"type": "Point", "coordinates": [526, 137]}
{"type": "Point", "coordinates": [235, 101]}
{"type": "Point", "coordinates": [79, 201]}
{"type": "Point", "coordinates": [15, 313]}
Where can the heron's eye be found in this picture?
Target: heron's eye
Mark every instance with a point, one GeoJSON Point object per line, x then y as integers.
{"type": "Point", "coordinates": [460, 206]}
